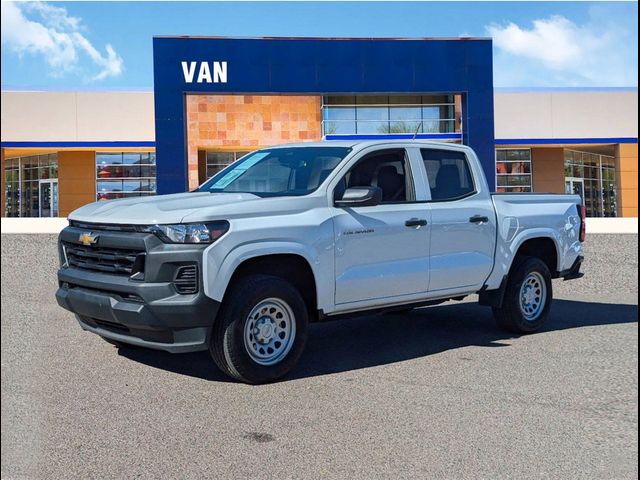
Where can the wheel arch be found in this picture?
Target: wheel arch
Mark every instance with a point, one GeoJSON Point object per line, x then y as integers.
{"type": "Point", "coordinates": [543, 246]}
{"type": "Point", "coordinates": [289, 261]}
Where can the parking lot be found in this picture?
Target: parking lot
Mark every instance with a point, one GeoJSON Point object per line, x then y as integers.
{"type": "Point", "coordinates": [438, 393]}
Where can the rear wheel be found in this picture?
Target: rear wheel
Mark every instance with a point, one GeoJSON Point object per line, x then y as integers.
{"type": "Point", "coordinates": [527, 298]}
{"type": "Point", "coordinates": [261, 329]}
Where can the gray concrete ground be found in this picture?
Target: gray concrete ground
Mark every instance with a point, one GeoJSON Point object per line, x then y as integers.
{"type": "Point", "coordinates": [439, 393]}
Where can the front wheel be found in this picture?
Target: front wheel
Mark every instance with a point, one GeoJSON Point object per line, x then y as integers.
{"type": "Point", "coordinates": [527, 298]}
{"type": "Point", "coordinates": [261, 329]}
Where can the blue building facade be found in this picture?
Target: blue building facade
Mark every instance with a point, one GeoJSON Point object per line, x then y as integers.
{"type": "Point", "coordinates": [330, 69]}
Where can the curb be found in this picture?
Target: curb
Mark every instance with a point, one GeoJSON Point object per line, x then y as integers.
{"type": "Point", "coordinates": [612, 225]}
{"type": "Point", "coordinates": [33, 225]}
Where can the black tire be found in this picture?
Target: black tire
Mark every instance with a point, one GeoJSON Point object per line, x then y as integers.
{"type": "Point", "coordinates": [227, 345]}
{"type": "Point", "coordinates": [511, 316]}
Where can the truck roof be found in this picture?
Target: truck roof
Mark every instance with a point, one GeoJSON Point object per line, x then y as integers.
{"type": "Point", "coordinates": [370, 143]}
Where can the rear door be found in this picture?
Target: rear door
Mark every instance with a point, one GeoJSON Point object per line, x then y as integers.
{"type": "Point", "coordinates": [381, 251]}
{"type": "Point", "coordinates": [463, 222]}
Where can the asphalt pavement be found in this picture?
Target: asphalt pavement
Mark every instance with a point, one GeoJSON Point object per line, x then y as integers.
{"type": "Point", "coordinates": [438, 393]}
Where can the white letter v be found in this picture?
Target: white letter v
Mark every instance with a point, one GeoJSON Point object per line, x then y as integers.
{"type": "Point", "coordinates": [188, 71]}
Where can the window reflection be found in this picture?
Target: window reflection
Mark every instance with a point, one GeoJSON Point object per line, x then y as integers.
{"type": "Point", "coordinates": [125, 174]}
{"type": "Point", "coordinates": [513, 170]}
{"type": "Point", "coordinates": [393, 114]}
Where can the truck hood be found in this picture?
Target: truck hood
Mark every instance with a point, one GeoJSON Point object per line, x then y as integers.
{"type": "Point", "coordinates": [157, 209]}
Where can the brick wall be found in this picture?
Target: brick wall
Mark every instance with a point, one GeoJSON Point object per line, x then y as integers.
{"type": "Point", "coordinates": [248, 122]}
{"type": "Point", "coordinates": [76, 180]}
{"type": "Point", "coordinates": [627, 170]}
{"type": "Point", "coordinates": [548, 170]}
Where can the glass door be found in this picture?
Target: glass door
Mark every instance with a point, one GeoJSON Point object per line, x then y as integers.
{"type": "Point", "coordinates": [574, 186]}
{"type": "Point", "coordinates": [48, 198]}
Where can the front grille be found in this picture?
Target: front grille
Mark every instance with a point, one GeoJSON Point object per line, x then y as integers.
{"type": "Point", "coordinates": [104, 259]}
{"type": "Point", "coordinates": [103, 226]}
{"type": "Point", "coordinates": [186, 279]}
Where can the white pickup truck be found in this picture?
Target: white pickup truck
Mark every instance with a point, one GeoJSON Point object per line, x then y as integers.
{"type": "Point", "coordinates": [295, 234]}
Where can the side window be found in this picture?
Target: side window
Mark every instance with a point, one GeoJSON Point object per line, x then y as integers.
{"type": "Point", "coordinates": [386, 169]}
{"type": "Point", "coordinates": [448, 173]}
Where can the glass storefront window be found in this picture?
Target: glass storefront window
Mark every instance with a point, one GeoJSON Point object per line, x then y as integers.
{"type": "Point", "coordinates": [339, 127]}
{"type": "Point", "coordinates": [513, 170]}
{"type": "Point", "coordinates": [373, 127]}
{"type": "Point", "coordinates": [31, 186]}
{"type": "Point", "coordinates": [125, 174]}
{"type": "Point", "coordinates": [216, 161]}
{"type": "Point", "coordinates": [393, 114]}
{"type": "Point", "coordinates": [412, 114]}
{"type": "Point", "coordinates": [594, 177]}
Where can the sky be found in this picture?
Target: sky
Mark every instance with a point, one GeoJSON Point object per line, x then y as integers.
{"type": "Point", "coordinates": [108, 45]}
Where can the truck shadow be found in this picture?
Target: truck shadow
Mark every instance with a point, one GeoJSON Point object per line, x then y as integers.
{"type": "Point", "coordinates": [369, 341]}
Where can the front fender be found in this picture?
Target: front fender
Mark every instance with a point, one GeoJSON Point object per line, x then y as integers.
{"type": "Point", "coordinates": [217, 274]}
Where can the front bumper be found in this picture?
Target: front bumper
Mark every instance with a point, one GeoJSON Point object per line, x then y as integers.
{"type": "Point", "coordinates": [149, 313]}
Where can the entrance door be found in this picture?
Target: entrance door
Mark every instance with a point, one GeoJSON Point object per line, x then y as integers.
{"type": "Point", "coordinates": [48, 198]}
{"type": "Point", "coordinates": [574, 186]}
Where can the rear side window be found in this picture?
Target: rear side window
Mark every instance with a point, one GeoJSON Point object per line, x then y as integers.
{"type": "Point", "coordinates": [448, 173]}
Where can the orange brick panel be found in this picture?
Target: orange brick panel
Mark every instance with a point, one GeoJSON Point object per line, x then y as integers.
{"type": "Point", "coordinates": [627, 173]}
{"type": "Point", "coordinates": [76, 179]}
{"type": "Point", "coordinates": [248, 121]}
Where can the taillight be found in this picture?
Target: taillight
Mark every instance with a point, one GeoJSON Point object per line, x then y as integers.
{"type": "Point", "coordinates": [583, 222]}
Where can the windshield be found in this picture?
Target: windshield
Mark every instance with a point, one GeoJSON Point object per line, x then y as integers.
{"type": "Point", "coordinates": [278, 171]}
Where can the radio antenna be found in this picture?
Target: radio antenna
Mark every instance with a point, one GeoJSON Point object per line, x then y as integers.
{"type": "Point", "coordinates": [416, 132]}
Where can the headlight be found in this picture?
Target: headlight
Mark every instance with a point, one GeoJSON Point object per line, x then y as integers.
{"type": "Point", "coordinates": [189, 232]}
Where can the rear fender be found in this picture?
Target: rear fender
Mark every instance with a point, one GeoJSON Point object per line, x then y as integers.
{"type": "Point", "coordinates": [532, 234]}
{"type": "Point", "coordinates": [506, 253]}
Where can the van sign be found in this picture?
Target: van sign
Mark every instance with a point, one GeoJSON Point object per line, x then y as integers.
{"type": "Point", "coordinates": [313, 66]}
{"type": "Point", "coordinates": [207, 72]}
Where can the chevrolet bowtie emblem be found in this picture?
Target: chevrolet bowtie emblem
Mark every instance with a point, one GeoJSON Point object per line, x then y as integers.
{"type": "Point", "coordinates": [88, 239]}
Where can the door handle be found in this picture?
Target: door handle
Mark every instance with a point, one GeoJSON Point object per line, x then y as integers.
{"type": "Point", "coordinates": [479, 219]}
{"type": "Point", "coordinates": [415, 222]}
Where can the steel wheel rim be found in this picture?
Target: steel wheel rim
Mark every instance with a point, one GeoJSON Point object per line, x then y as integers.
{"type": "Point", "coordinates": [533, 296]}
{"type": "Point", "coordinates": [269, 331]}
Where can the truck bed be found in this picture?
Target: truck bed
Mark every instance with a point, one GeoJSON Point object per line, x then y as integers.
{"type": "Point", "coordinates": [521, 216]}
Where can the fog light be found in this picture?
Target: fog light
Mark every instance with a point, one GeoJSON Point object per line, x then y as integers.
{"type": "Point", "coordinates": [186, 279]}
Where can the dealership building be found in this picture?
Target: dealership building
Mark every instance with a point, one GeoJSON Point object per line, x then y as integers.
{"type": "Point", "coordinates": [215, 99]}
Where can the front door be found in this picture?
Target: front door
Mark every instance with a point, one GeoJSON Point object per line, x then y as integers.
{"type": "Point", "coordinates": [382, 251]}
{"type": "Point", "coordinates": [48, 198]}
{"type": "Point", "coordinates": [378, 255]}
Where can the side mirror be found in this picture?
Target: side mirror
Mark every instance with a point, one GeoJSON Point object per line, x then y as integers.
{"type": "Point", "coordinates": [359, 197]}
